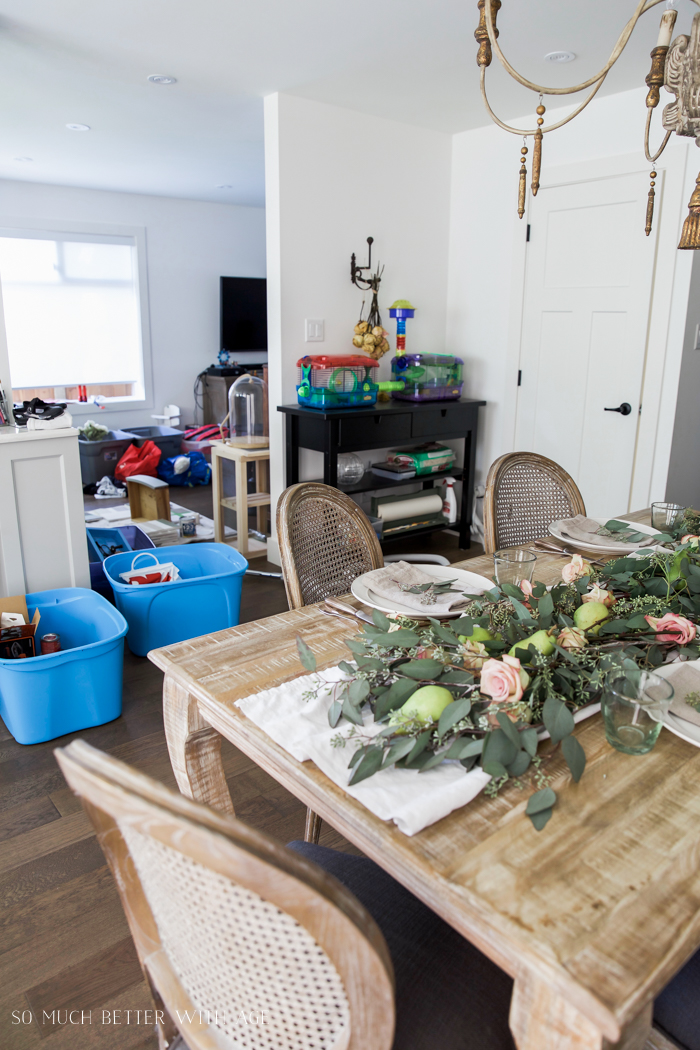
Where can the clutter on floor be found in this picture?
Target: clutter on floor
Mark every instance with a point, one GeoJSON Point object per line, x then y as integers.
{"type": "Point", "coordinates": [159, 531]}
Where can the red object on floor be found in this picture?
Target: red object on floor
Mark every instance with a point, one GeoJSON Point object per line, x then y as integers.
{"type": "Point", "coordinates": [135, 460]}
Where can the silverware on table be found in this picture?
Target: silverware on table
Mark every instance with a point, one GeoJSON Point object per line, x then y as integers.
{"type": "Point", "coordinates": [546, 548]}
{"type": "Point", "coordinates": [336, 606]}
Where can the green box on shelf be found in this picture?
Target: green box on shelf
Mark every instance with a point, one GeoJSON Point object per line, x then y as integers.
{"type": "Point", "coordinates": [430, 458]}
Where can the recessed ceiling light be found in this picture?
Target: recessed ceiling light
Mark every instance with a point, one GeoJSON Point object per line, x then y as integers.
{"type": "Point", "coordinates": [78, 127]}
{"type": "Point", "coordinates": [24, 160]}
{"type": "Point", "coordinates": [225, 186]}
{"type": "Point", "coordinates": [560, 56]}
{"type": "Point", "coordinates": [160, 78]}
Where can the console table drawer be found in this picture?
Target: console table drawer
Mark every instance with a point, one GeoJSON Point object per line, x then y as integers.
{"type": "Point", "coordinates": [375, 431]}
{"type": "Point", "coordinates": [443, 420]}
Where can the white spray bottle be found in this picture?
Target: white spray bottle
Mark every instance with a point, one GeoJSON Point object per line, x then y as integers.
{"type": "Point", "coordinates": [449, 501]}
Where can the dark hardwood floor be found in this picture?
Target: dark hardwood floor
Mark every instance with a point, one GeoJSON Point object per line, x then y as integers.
{"type": "Point", "coordinates": [64, 941]}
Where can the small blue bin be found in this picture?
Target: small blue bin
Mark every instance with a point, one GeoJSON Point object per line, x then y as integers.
{"type": "Point", "coordinates": [207, 598]}
{"type": "Point", "coordinates": [130, 537]}
{"type": "Point", "coordinates": [43, 697]}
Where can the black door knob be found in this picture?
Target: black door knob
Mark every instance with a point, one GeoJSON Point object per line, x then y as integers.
{"type": "Point", "coordinates": [624, 409]}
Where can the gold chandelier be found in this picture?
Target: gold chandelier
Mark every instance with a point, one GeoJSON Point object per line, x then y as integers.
{"type": "Point", "coordinates": [675, 66]}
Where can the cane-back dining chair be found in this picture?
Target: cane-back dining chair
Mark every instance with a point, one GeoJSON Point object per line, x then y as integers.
{"type": "Point", "coordinates": [525, 493]}
{"type": "Point", "coordinates": [326, 541]}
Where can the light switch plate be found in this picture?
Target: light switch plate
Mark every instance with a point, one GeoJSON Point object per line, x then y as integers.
{"type": "Point", "coordinates": [315, 330]}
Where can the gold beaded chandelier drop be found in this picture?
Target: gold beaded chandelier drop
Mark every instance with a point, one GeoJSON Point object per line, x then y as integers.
{"type": "Point", "coordinates": [674, 66]}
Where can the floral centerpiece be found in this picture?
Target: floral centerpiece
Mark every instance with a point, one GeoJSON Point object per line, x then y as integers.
{"type": "Point", "coordinates": [518, 661]}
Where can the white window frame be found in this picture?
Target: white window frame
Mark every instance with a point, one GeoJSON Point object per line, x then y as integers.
{"type": "Point", "coordinates": [18, 227]}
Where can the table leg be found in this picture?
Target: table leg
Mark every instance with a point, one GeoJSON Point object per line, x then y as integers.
{"type": "Point", "coordinates": [540, 1019]}
{"type": "Point", "coordinates": [330, 453]}
{"type": "Point", "coordinates": [194, 748]}
{"type": "Point", "coordinates": [242, 505]}
{"type": "Point", "coordinates": [292, 448]}
{"type": "Point", "coordinates": [217, 493]}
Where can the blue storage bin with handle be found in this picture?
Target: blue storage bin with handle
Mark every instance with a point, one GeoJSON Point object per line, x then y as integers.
{"type": "Point", "coordinates": [206, 597]}
{"type": "Point", "coordinates": [43, 697]}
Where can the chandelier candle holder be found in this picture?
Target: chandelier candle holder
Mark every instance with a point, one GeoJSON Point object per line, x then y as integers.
{"type": "Point", "coordinates": [675, 65]}
{"type": "Point", "coordinates": [400, 310]}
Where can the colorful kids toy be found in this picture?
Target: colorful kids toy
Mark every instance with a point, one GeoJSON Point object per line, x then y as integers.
{"type": "Point", "coordinates": [401, 309]}
{"type": "Point", "coordinates": [427, 377]}
{"type": "Point", "coordinates": [343, 381]}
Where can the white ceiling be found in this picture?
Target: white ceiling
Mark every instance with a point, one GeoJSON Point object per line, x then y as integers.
{"type": "Point", "coordinates": [86, 61]}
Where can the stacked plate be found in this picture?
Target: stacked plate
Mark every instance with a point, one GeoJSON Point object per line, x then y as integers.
{"type": "Point", "coordinates": [468, 582]}
{"type": "Point", "coordinates": [605, 548]}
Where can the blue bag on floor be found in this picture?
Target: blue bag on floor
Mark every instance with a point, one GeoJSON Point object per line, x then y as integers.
{"type": "Point", "coordinates": [198, 472]}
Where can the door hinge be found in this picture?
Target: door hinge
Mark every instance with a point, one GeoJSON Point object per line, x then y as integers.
{"type": "Point", "coordinates": [640, 410]}
{"type": "Point", "coordinates": [520, 377]}
{"type": "Point", "coordinates": [527, 234]}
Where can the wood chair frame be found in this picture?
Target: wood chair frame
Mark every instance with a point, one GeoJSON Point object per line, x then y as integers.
{"type": "Point", "coordinates": [562, 490]}
{"type": "Point", "coordinates": [113, 792]}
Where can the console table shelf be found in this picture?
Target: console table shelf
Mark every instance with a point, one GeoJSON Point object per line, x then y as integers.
{"type": "Point", "coordinates": [385, 425]}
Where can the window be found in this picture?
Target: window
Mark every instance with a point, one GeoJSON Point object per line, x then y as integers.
{"type": "Point", "coordinates": [72, 314]}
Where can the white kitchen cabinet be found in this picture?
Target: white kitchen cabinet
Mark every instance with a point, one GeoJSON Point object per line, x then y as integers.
{"type": "Point", "coordinates": [42, 523]}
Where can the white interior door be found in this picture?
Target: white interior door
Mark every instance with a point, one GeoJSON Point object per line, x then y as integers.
{"type": "Point", "coordinates": [588, 285]}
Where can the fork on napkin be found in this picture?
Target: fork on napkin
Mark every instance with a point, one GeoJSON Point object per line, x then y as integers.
{"type": "Point", "coordinates": [395, 580]}
{"type": "Point", "coordinates": [586, 530]}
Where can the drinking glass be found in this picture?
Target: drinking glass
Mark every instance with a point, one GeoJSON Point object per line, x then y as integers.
{"type": "Point", "coordinates": [514, 566]}
{"type": "Point", "coordinates": [665, 515]}
{"type": "Point", "coordinates": [633, 708]}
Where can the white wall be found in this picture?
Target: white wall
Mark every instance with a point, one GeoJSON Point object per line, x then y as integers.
{"type": "Point", "coordinates": [487, 258]}
{"type": "Point", "coordinates": [189, 245]}
{"type": "Point", "coordinates": [333, 178]}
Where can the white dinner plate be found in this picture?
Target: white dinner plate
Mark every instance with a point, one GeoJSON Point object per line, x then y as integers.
{"type": "Point", "coordinates": [618, 548]}
{"type": "Point", "coordinates": [680, 726]}
{"type": "Point", "coordinates": [467, 581]}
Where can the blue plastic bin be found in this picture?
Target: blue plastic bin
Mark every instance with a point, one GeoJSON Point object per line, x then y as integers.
{"type": "Point", "coordinates": [131, 537]}
{"type": "Point", "coordinates": [48, 696]}
{"type": "Point", "coordinates": [207, 598]}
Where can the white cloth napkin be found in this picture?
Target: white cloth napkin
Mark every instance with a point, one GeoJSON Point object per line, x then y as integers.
{"type": "Point", "coordinates": [411, 799]}
{"type": "Point", "coordinates": [585, 530]}
{"type": "Point", "coordinates": [385, 582]}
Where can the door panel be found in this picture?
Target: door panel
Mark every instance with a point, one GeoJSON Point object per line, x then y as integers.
{"type": "Point", "coordinates": [585, 319]}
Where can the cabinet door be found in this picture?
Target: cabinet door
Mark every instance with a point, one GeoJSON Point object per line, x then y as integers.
{"type": "Point", "coordinates": [443, 420]}
{"type": "Point", "coordinates": [377, 431]}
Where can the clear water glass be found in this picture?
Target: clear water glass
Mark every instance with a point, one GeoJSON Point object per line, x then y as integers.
{"type": "Point", "coordinates": [666, 515]}
{"type": "Point", "coordinates": [633, 710]}
{"type": "Point", "coordinates": [514, 566]}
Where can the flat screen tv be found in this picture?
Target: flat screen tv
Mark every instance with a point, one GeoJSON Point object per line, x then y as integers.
{"type": "Point", "coordinates": [243, 314]}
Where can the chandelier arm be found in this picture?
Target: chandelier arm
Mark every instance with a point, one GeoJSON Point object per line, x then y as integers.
{"type": "Point", "coordinates": [552, 127]}
{"type": "Point", "coordinates": [642, 7]}
{"type": "Point", "coordinates": [662, 147]}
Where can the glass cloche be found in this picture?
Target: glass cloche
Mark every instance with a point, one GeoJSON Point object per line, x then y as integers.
{"type": "Point", "coordinates": [247, 403]}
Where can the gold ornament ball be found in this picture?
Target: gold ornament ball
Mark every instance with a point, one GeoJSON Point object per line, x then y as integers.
{"type": "Point", "coordinates": [523, 150]}
{"type": "Point", "coordinates": [540, 109]}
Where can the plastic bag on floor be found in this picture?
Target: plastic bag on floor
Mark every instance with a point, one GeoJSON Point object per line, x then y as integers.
{"type": "Point", "coordinates": [161, 572]}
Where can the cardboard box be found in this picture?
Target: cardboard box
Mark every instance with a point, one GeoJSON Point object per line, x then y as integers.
{"type": "Point", "coordinates": [18, 643]}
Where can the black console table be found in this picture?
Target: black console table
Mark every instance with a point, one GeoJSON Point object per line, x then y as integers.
{"type": "Point", "coordinates": [386, 424]}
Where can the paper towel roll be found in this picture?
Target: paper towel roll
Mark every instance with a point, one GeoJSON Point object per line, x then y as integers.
{"type": "Point", "coordinates": [410, 508]}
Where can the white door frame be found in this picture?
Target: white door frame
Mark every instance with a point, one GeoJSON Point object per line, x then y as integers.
{"type": "Point", "coordinates": [668, 307]}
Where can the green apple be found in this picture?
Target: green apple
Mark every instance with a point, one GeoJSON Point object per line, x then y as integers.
{"type": "Point", "coordinates": [479, 634]}
{"type": "Point", "coordinates": [590, 616]}
{"type": "Point", "coordinates": [540, 639]}
{"type": "Point", "coordinates": [427, 703]}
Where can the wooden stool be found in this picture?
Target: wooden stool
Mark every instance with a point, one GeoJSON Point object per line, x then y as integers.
{"type": "Point", "coordinates": [149, 498]}
{"type": "Point", "coordinates": [249, 548]}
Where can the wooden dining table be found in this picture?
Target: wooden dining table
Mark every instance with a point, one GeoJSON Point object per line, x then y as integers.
{"type": "Point", "coordinates": [591, 916]}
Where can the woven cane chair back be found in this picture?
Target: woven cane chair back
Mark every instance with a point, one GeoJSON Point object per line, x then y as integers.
{"type": "Point", "coordinates": [525, 493]}
{"type": "Point", "coordinates": [246, 945]}
{"type": "Point", "coordinates": [326, 541]}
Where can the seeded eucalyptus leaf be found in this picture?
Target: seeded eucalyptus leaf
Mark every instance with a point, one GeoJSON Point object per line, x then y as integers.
{"type": "Point", "coordinates": [359, 690]}
{"type": "Point", "coordinates": [452, 714]}
{"type": "Point", "coordinates": [355, 647]}
{"type": "Point", "coordinates": [512, 591]}
{"type": "Point", "coordinates": [494, 769]}
{"type": "Point", "coordinates": [508, 728]}
{"type": "Point", "coordinates": [469, 762]}
{"type": "Point", "coordinates": [351, 712]}
{"type": "Point", "coordinates": [357, 755]}
{"type": "Point", "coordinates": [546, 609]}
{"type": "Point", "coordinates": [540, 801]}
{"type": "Point", "coordinates": [334, 713]}
{"type": "Point", "coordinates": [464, 626]}
{"type": "Point", "coordinates": [431, 762]}
{"type": "Point", "coordinates": [369, 663]}
{"type": "Point", "coordinates": [445, 634]}
{"type": "Point", "coordinates": [638, 622]}
{"type": "Point", "coordinates": [540, 818]}
{"type": "Point", "coordinates": [420, 669]}
{"type": "Point", "coordinates": [457, 678]}
{"type": "Point", "coordinates": [369, 765]}
{"type": "Point", "coordinates": [419, 745]}
{"type": "Point", "coordinates": [558, 720]}
{"type": "Point", "coordinates": [396, 696]}
{"type": "Point", "coordinates": [346, 667]}
{"type": "Point", "coordinates": [399, 749]}
{"type": "Point", "coordinates": [308, 660]}
{"type": "Point", "coordinates": [401, 639]}
{"type": "Point", "coordinates": [380, 620]}
{"type": "Point", "coordinates": [575, 756]}
{"type": "Point", "coordinates": [498, 748]}
{"type": "Point", "coordinates": [520, 763]}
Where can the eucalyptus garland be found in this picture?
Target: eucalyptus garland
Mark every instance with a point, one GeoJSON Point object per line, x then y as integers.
{"type": "Point", "coordinates": [480, 689]}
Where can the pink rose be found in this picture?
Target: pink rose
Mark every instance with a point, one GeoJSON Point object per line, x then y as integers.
{"type": "Point", "coordinates": [572, 638]}
{"type": "Point", "coordinates": [526, 588]}
{"type": "Point", "coordinates": [474, 655]}
{"type": "Point", "coordinates": [599, 594]}
{"type": "Point", "coordinates": [502, 680]}
{"type": "Point", "coordinates": [575, 569]}
{"type": "Point", "coordinates": [672, 628]}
